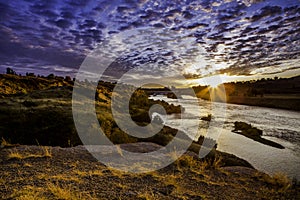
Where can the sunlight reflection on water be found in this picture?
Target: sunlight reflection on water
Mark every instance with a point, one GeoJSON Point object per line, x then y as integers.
{"type": "Point", "coordinates": [281, 126]}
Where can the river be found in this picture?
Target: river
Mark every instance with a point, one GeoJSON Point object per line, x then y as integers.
{"type": "Point", "coordinates": [281, 126]}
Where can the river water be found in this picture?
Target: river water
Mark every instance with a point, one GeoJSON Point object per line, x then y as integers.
{"type": "Point", "coordinates": [281, 126]}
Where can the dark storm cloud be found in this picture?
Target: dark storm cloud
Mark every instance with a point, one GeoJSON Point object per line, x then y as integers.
{"type": "Point", "coordinates": [77, 3]}
{"type": "Point", "coordinates": [267, 11]}
{"type": "Point", "coordinates": [6, 12]}
{"type": "Point", "coordinates": [67, 15]}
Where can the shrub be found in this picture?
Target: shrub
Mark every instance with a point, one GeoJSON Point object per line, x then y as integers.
{"type": "Point", "coordinates": [120, 137]}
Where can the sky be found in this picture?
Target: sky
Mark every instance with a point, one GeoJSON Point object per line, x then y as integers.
{"type": "Point", "coordinates": [238, 39]}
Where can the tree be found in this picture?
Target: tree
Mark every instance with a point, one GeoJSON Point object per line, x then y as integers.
{"type": "Point", "coordinates": [68, 79]}
{"type": "Point", "coordinates": [51, 76]}
{"type": "Point", "coordinates": [10, 71]}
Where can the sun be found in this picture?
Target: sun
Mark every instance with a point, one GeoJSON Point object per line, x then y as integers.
{"type": "Point", "coordinates": [213, 81]}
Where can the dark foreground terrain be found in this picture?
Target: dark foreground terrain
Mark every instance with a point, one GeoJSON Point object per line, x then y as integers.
{"type": "Point", "coordinates": [33, 172]}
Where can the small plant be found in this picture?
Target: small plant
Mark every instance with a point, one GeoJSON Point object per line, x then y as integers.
{"type": "Point", "coordinates": [207, 118]}
{"type": "Point", "coordinates": [5, 144]}
{"type": "Point", "coordinates": [47, 152]}
{"type": "Point", "coordinates": [217, 162]}
{"type": "Point", "coordinates": [279, 180]}
{"type": "Point", "coordinates": [188, 162]}
{"type": "Point", "coordinates": [282, 181]}
{"type": "Point", "coordinates": [14, 154]}
{"type": "Point", "coordinates": [62, 192]}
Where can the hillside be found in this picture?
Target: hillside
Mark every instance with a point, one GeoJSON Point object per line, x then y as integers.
{"type": "Point", "coordinates": [18, 85]}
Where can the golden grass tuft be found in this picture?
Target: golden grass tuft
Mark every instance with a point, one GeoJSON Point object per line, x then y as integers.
{"type": "Point", "coordinates": [147, 195]}
{"type": "Point", "coordinates": [66, 192]}
{"type": "Point", "coordinates": [121, 186]}
{"type": "Point", "coordinates": [5, 144]}
{"type": "Point", "coordinates": [15, 154]}
{"type": "Point", "coordinates": [62, 192]}
{"type": "Point", "coordinates": [57, 177]}
{"type": "Point", "coordinates": [198, 166]}
{"type": "Point", "coordinates": [29, 193]}
{"type": "Point", "coordinates": [89, 173]}
{"type": "Point", "coordinates": [27, 164]}
{"type": "Point", "coordinates": [46, 152]}
{"type": "Point", "coordinates": [217, 162]}
{"type": "Point", "coordinates": [279, 180]}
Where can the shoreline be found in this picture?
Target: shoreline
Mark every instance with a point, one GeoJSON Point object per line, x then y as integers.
{"type": "Point", "coordinates": [291, 103]}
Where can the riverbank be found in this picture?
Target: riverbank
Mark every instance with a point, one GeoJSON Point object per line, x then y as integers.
{"type": "Point", "coordinates": [283, 93]}
{"type": "Point", "coordinates": [288, 102]}
{"type": "Point", "coordinates": [34, 172]}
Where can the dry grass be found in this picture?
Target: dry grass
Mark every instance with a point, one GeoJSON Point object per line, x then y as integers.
{"type": "Point", "coordinates": [122, 186]}
{"type": "Point", "coordinates": [29, 193]}
{"type": "Point", "coordinates": [63, 192]}
{"type": "Point", "coordinates": [15, 154]}
{"type": "Point", "coordinates": [147, 195]}
{"type": "Point", "coordinates": [27, 164]}
{"type": "Point", "coordinates": [52, 191]}
{"type": "Point", "coordinates": [118, 173]}
{"type": "Point", "coordinates": [47, 152]}
{"type": "Point", "coordinates": [62, 177]}
{"type": "Point", "coordinates": [67, 193]}
{"type": "Point", "coordinates": [218, 162]}
{"type": "Point", "coordinates": [198, 166]}
{"type": "Point", "coordinates": [89, 173]}
{"type": "Point", "coordinates": [279, 180]}
{"type": "Point", "coordinates": [189, 162]}
{"type": "Point", "coordinates": [5, 144]}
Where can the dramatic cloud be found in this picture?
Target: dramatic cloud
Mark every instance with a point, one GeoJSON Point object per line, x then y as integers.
{"type": "Point", "coordinates": [200, 37]}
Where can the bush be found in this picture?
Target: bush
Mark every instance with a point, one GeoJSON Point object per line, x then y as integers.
{"type": "Point", "coordinates": [247, 129]}
{"type": "Point", "coordinates": [120, 137]}
{"type": "Point", "coordinates": [44, 126]}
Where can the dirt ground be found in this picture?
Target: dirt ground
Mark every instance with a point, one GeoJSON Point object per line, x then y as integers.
{"type": "Point", "coordinates": [36, 172]}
